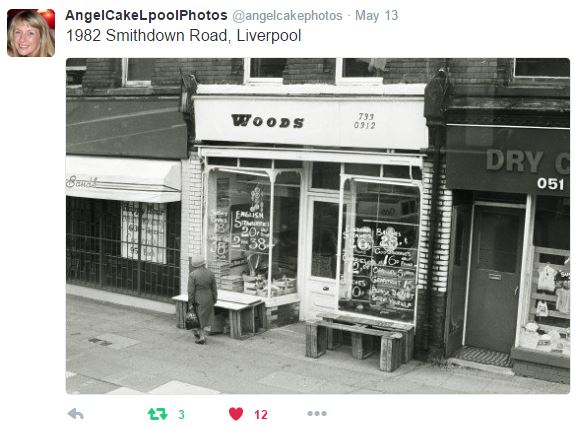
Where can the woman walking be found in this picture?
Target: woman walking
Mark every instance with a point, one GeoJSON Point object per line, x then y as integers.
{"type": "Point", "coordinates": [202, 294]}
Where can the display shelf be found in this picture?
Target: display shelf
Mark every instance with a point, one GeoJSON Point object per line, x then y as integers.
{"type": "Point", "coordinates": [555, 319]}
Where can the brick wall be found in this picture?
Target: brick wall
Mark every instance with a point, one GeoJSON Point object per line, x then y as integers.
{"type": "Point", "coordinates": [440, 266]}
{"type": "Point", "coordinates": [192, 215]}
{"type": "Point", "coordinates": [278, 316]}
{"type": "Point", "coordinates": [218, 70]}
{"type": "Point", "coordinates": [102, 73]}
{"type": "Point", "coordinates": [106, 72]}
{"type": "Point", "coordinates": [411, 70]}
{"type": "Point", "coordinates": [477, 70]}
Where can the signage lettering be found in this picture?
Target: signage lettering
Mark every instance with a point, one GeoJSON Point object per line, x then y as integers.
{"type": "Point", "coordinates": [563, 163]}
{"type": "Point", "coordinates": [271, 122]}
{"type": "Point", "coordinates": [514, 160]}
{"type": "Point", "coordinates": [524, 161]}
{"type": "Point", "coordinates": [73, 182]}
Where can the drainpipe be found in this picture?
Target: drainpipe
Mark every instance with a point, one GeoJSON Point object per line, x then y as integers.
{"type": "Point", "coordinates": [435, 95]}
{"type": "Point", "coordinates": [189, 86]}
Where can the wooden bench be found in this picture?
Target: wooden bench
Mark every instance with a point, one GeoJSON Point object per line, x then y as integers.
{"type": "Point", "coordinates": [319, 337]}
{"type": "Point", "coordinates": [407, 330]}
{"type": "Point", "coordinates": [246, 314]}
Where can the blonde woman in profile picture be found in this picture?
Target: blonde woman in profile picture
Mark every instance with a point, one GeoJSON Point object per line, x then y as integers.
{"type": "Point", "coordinates": [29, 35]}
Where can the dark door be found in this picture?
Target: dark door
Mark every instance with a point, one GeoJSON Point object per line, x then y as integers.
{"type": "Point", "coordinates": [494, 278]}
{"type": "Point", "coordinates": [458, 268]}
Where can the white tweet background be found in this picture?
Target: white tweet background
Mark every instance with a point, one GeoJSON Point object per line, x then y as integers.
{"type": "Point", "coordinates": [32, 284]}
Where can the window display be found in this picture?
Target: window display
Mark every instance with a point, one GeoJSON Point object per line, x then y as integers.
{"type": "Point", "coordinates": [548, 327]}
{"type": "Point", "coordinates": [380, 250]}
{"type": "Point", "coordinates": [252, 233]}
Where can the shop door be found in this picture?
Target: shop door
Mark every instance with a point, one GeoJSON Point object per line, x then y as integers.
{"type": "Point", "coordinates": [321, 255]}
{"type": "Point", "coordinates": [458, 269]}
{"type": "Point", "coordinates": [494, 277]}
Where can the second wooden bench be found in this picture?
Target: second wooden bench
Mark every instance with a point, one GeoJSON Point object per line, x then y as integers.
{"type": "Point", "coordinates": [320, 336]}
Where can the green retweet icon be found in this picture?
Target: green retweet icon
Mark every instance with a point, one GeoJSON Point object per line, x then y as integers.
{"type": "Point", "coordinates": [160, 411]}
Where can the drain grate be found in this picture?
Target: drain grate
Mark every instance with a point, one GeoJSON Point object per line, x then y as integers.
{"type": "Point", "coordinates": [484, 356]}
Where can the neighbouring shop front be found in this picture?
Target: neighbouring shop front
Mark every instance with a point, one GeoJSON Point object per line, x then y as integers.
{"type": "Point", "coordinates": [510, 263]}
{"type": "Point", "coordinates": [314, 205]}
{"type": "Point", "coordinates": [123, 235]}
{"type": "Point", "coordinates": [123, 196]}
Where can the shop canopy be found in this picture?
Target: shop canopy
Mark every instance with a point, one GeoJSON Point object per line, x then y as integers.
{"type": "Point", "coordinates": [145, 128]}
{"type": "Point", "coordinates": [123, 179]}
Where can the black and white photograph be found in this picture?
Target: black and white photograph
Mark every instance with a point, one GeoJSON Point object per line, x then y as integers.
{"type": "Point", "coordinates": [317, 226]}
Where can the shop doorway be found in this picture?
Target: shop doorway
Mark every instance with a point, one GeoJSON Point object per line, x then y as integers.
{"type": "Point", "coordinates": [321, 255]}
{"type": "Point", "coordinates": [494, 277]}
{"type": "Point", "coordinates": [458, 269]}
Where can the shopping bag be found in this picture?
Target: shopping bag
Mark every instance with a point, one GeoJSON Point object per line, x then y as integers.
{"type": "Point", "coordinates": [192, 320]}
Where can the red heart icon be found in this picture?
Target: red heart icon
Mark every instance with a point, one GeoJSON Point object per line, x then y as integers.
{"type": "Point", "coordinates": [235, 413]}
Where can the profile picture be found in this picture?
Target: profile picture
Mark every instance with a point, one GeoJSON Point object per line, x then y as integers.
{"type": "Point", "coordinates": [31, 33]}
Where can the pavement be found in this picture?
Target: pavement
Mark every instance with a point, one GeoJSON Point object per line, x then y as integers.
{"type": "Point", "coordinates": [114, 349]}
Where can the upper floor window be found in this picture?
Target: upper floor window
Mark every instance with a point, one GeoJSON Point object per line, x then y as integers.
{"type": "Point", "coordinates": [137, 71]}
{"type": "Point", "coordinates": [542, 67]}
{"type": "Point", "coordinates": [264, 70]}
{"type": "Point", "coordinates": [360, 70]}
{"type": "Point", "coordinates": [76, 68]}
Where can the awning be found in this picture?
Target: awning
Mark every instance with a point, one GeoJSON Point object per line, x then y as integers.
{"type": "Point", "coordinates": [137, 180]}
{"type": "Point", "coordinates": [146, 128]}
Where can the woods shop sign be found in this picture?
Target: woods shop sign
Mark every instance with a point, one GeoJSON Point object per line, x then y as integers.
{"type": "Point", "coordinates": [284, 122]}
{"type": "Point", "coordinates": [375, 122]}
{"type": "Point", "coordinates": [518, 160]}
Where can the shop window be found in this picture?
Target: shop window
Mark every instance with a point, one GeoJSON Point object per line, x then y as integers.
{"type": "Point", "coordinates": [542, 67]}
{"type": "Point", "coordinates": [552, 225]}
{"type": "Point", "coordinates": [265, 70]}
{"type": "Point", "coordinates": [243, 227]}
{"type": "Point", "coordinates": [380, 249]}
{"type": "Point", "coordinates": [548, 308]}
{"type": "Point", "coordinates": [285, 234]}
{"type": "Point", "coordinates": [365, 70]}
{"type": "Point", "coordinates": [223, 161]}
{"type": "Point", "coordinates": [137, 71]}
{"type": "Point", "coordinates": [76, 68]}
{"type": "Point", "coordinates": [404, 172]}
{"type": "Point", "coordinates": [128, 247]}
{"type": "Point", "coordinates": [287, 164]}
{"type": "Point", "coordinates": [256, 163]}
{"type": "Point", "coordinates": [325, 175]}
{"type": "Point", "coordinates": [362, 169]}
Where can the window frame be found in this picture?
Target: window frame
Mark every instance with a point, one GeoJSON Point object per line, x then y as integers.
{"type": "Point", "coordinates": [271, 174]}
{"type": "Point", "coordinates": [341, 80]}
{"type": "Point", "coordinates": [247, 79]}
{"type": "Point", "coordinates": [132, 83]}
{"type": "Point", "coordinates": [417, 184]}
{"type": "Point", "coordinates": [76, 68]}
{"type": "Point", "coordinates": [521, 77]}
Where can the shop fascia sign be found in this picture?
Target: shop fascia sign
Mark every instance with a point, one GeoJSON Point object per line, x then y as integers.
{"type": "Point", "coordinates": [373, 122]}
{"type": "Point", "coordinates": [525, 161]}
{"type": "Point", "coordinates": [72, 181]}
{"type": "Point", "coordinates": [506, 159]}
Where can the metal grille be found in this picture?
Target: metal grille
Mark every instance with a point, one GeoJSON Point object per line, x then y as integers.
{"type": "Point", "coordinates": [137, 255]}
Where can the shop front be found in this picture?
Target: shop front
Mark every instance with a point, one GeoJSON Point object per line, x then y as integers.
{"type": "Point", "coordinates": [123, 197]}
{"type": "Point", "coordinates": [123, 225]}
{"type": "Point", "coordinates": [510, 257]}
{"type": "Point", "coordinates": [314, 204]}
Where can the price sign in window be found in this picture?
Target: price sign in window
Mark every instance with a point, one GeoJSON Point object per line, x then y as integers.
{"type": "Point", "coordinates": [380, 252]}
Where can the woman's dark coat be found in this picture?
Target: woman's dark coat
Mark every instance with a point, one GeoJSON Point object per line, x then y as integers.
{"type": "Point", "coordinates": [202, 291]}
